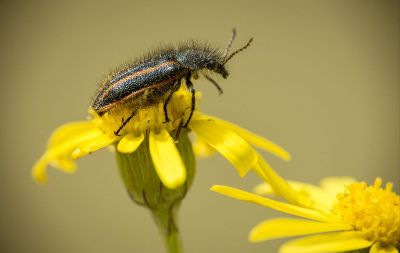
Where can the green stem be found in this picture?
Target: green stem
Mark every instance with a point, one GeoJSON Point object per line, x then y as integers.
{"type": "Point", "coordinates": [166, 222]}
{"type": "Point", "coordinates": [173, 241]}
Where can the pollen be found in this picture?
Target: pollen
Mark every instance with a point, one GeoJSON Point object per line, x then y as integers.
{"type": "Point", "coordinates": [372, 210]}
{"type": "Point", "coordinates": [150, 118]}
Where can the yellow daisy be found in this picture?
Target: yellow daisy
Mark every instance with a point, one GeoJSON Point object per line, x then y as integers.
{"type": "Point", "coordinates": [339, 215]}
{"type": "Point", "coordinates": [77, 139]}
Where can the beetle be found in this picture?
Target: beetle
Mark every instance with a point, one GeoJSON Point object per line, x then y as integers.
{"type": "Point", "coordinates": [157, 76]}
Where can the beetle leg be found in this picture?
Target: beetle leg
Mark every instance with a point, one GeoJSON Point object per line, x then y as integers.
{"type": "Point", "coordinates": [189, 84]}
{"type": "Point", "coordinates": [178, 131]}
{"type": "Point", "coordinates": [126, 122]}
{"type": "Point", "coordinates": [215, 84]}
{"type": "Point", "coordinates": [175, 87]}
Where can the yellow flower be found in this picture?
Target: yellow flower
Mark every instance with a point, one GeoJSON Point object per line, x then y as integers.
{"type": "Point", "coordinates": [340, 215]}
{"type": "Point", "coordinates": [77, 139]}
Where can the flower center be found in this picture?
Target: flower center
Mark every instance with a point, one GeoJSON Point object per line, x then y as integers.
{"type": "Point", "coordinates": [150, 117]}
{"type": "Point", "coordinates": [372, 210]}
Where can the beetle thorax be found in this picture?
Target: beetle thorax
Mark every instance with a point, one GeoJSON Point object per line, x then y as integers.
{"type": "Point", "coordinates": [197, 60]}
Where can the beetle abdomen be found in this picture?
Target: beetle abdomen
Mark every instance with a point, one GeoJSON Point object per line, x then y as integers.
{"type": "Point", "coordinates": [134, 81]}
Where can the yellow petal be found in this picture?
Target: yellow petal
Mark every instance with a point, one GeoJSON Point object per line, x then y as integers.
{"type": "Point", "coordinates": [254, 139]}
{"type": "Point", "coordinates": [331, 242]}
{"type": "Point", "coordinates": [129, 143]}
{"type": "Point", "coordinates": [90, 145]}
{"type": "Point", "coordinates": [322, 200]}
{"type": "Point", "coordinates": [236, 150]}
{"type": "Point", "coordinates": [273, 204]}
{"type": "Point", "coordinates": [61, 148]}
{"type": "Point", "coordinates": [265, 189]}
{"type": "Point", "coordinates": [334, 185]}
{"type": "Point", "coordinates": [279, 185]}
{"type": "Point", "coordinates": [202, 149]}
{"type": "Point", "coordinates": [95, 140]}
{"type": "Point", "coordinates": [66, 147]}
{"type": "Point", "coordinates": [166, 159]}
{"type": "Point", "coordinates": [285, 227]}
{"type": "Point", "coordinates": [66, 131]}
{"type": "Point", "coordinates": [64, 164]}
{"type": "Point", "coordinates": [39, 170]}
{"type": "Point", "coordinates": [379, 248]}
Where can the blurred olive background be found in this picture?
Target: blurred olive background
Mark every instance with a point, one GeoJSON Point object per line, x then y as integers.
{"type": "Point", "coordinates": [321, 79]}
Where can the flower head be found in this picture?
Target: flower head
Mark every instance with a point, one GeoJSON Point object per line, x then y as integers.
{"type": "Point", "coordinates": [77, 139]}
{"type": "Point", "coordinates": [340, 215]}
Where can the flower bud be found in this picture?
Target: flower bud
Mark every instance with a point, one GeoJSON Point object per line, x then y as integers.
{"type": "Point", "coordinates": [142, 182]}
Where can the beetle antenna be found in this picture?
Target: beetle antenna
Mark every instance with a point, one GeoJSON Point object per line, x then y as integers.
{"type": "Point", "coordinates": [233, 36]}
{"type": "Point", "coordinates": [239, 50]}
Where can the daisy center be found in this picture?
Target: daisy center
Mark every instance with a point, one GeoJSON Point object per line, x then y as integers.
{"type": "Point", "coordinates": [372, 210]}
{"type": "Point", "coordinates": [152, 117]}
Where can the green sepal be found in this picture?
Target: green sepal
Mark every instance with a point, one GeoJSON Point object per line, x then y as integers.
{"type": "Point", "coordinates": [142, 182]}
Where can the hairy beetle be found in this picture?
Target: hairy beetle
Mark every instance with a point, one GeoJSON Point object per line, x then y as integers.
{"type": "Point", "coordinates": [148, 80]}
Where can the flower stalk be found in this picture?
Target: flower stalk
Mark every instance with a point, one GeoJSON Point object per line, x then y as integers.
{"type": "Point", "coordinates": [166, 220]}
{"type": "Point", "coordinates": [145, 188]}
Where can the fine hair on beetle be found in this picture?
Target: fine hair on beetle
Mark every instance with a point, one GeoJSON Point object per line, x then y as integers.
{"type": "Point", "coordinates": [159, 74]}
